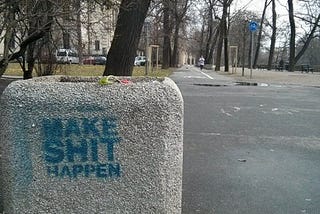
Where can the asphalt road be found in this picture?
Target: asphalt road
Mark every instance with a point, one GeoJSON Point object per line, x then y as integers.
{"type": "Point", "coordinates": [249, 149]}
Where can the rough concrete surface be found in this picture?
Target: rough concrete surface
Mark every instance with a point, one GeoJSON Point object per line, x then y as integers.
{"type": "Point", "coordinates": [72, 145]}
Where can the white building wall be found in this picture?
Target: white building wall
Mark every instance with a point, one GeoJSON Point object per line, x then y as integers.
{"type": "Point", "coordinates": [100, 26]}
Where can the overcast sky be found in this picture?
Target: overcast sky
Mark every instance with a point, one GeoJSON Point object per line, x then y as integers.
{"type": "Point", "coordinates": [257, 6]}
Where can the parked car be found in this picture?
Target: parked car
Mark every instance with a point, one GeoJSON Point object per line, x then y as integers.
{"type": "Point", "coordinates": [95, 60]}
{"type": "Point", "coordinates": [67, 56]}
{"type": "Point", "coordinates": [140, 61]}
{"type": "Point", "coordinates": [100, 60]}
{"type": "Point", "coordinates": [88, 60]}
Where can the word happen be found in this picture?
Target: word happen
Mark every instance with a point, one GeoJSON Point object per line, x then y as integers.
{"type": "Point", "coordinates": [81, 147]}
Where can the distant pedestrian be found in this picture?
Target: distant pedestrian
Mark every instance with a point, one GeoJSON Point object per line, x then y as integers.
{"type": "Point", "coordinates": [201, 62]}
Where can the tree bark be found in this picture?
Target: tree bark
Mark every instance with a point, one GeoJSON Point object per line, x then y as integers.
{"type": "Point", "coordinates": [166, 53]}
{"type": "Point", "coordinates": [125, 42]}
{"type": "Point", "coordinates": [219, 48]}
{"type": "Point", "coordinates": [256, 55]}
{"type": "Point", "coordinates": [39, 26]}
{"type": "Point", "coordinates": [223, 36]}
{"type": "Point", "coordinates": [292, 37]}
{"type": "Point", "coordinates": [213, 45]}
{"type": "Point", "coordinates": [179, 14]}
{"type": "Point", "coordinates": [175, 53]}
{"type": "Point", "coordinates": [210, 35]}
{"type": "Point", "coordinates": [9, 20]}
{"type": "Point", "coordinates": [309, 38]}
{"type": "Point", "coordinates": [273, 36]}
{"type": "Point", "coordinates": [79, 31]}
{"type": "Point", "coordinates": [202, 37]}
{"type": "Point", "coordinates": [226, 47]}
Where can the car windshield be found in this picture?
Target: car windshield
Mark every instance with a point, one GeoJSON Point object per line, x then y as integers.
{"type": "Point", "coordinates": [74, 54]}
{"type": "Point", "coordinates": [140, 58]}
{"type": "Point", "coordinates": [62, 53]}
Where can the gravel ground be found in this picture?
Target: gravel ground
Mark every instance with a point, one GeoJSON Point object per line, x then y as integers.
{"type": "Point", "coordinates": [276, 77]}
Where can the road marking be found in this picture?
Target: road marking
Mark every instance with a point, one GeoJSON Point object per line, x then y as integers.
{"type": "Point", "coordinates": [210, 77]}
{"type": "Point", "coordinates": [226, 113]}
{"type": "Point", "coordinates": [194, 77]}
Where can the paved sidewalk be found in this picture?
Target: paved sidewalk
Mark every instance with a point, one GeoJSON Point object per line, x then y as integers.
{"type": "Point", "coordinates": [276, 77]}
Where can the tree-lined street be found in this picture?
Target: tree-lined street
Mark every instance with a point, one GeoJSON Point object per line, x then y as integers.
{"type": "Point", "coordinates": [170, 33]}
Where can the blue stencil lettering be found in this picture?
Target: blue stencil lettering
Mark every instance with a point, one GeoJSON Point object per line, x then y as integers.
{"type": "Point", "coordinates": [89, 126]}
{"type": "Point", "coordinates": [52, 128]}
{"type": "Point", "coordinates": [65, 172]}
{"type": "Point", "coordinates": [72, 127]}
{"type": "Point", "coordinates": [53, 151]}
{"type": "Point", "coordinates": [80, 150]}
{"type": "Point", "coordinates": [94, 149]}
{"type": "Point", "coordinates": [53, 170]}
{"type": "Point", "coordinates": [85, 147]}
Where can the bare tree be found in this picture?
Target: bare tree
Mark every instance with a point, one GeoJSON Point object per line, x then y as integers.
{"type": "Point", "coordinates": [223, 35]}
{"type": "Point", "coordinates": [312, 21]}
{"type": "Point", "coordinates": [78, 8]}
{"type": "Point", "coordinates": [212, 31]}
{"type": "Point", "coordinates": [292, 36]}
{"type": "Point", "coordinates": [37, 17]}
{"type": "Point", "coordinates": [273, 36]}
{"type": "Point", "coordinates": [180, 10]}
{"type": "Point", "coordinates": [121, 55]}
{"type": "Point", "coordinates": [256, 55]}
{"type": "Point", "coordinates": [166, 54]}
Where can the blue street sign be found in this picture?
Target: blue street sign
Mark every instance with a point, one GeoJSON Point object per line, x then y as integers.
{"type": "Point", "coordinates": [253, 26]}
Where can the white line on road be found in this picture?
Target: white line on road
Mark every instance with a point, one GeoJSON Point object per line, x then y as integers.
{"type": "Point", "coordinates": [210, 77]}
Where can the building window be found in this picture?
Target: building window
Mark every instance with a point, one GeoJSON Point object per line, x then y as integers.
{"type": "Point", "coordinates": [97, 45]}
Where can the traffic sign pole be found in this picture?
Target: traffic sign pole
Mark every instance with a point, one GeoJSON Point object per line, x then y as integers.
{"type": "Point", "coordinates": [252, 27]}
{"type": "Point", "coordinates": [251, 57]}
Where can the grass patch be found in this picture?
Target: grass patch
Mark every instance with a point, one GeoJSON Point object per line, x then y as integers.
{"type": "Point", "coordinates": [14, 69]}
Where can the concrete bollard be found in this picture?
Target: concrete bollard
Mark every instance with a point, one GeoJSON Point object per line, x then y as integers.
{"type": "Point", "coordinates": [74, 145]}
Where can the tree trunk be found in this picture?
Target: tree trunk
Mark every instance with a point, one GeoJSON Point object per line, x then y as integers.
{"type": "Point", "coordinates": [273, 36]}
{"type": "Point", "coordinates": [223, 35]}
{"type": "Point", "coordinates": [175, 53]}
{"type": "Point", "coordinates": [39, 26]}
{"type": "Point", "coordinates": [202, 37]}
{"type": "Point", "coordinates": [209, 36]}
{"type": "Point", "coordinates": [9, 20]}
{"type": "Point", "coordinates": [166, 37]}
{"type": "Point", "coordinates": [226, 50]}
{"type": "Point", "coordinates": [89, 27]}
{"type": "Point", "coordinates": [79, 33]}
{"type": "Point", "coordinates": [226, 42]}
{"type": "Point", "coordinates": [292, 37]}
{"type": "Point", "coordinates": [219, 48]}
{"type": "Point", "coordinates": [213, 45]}
{"type": "Point", "coordinates": [256, 55]}
{"type": "Point", "coordinates": [125, 42]}
{"type": "Point", "coordinates": [27, 74]}
{"type": "Point", "coordinates": [309, 38]}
